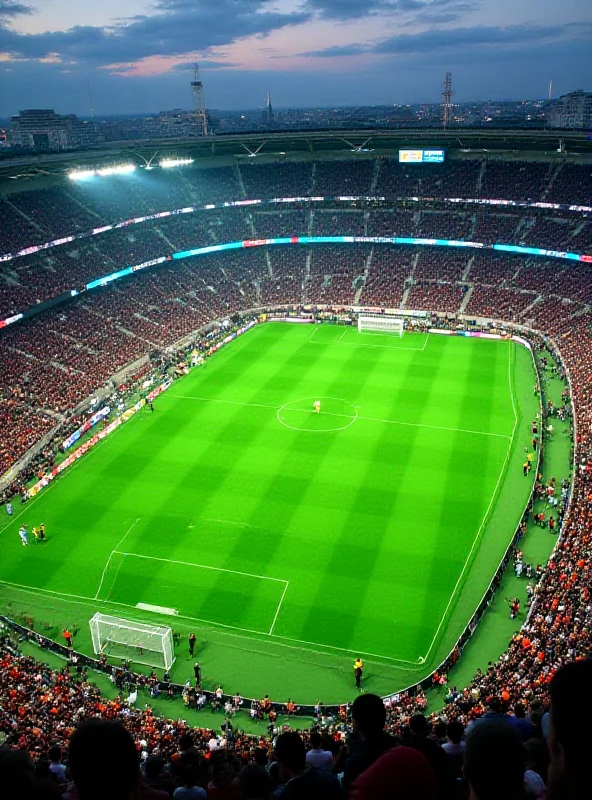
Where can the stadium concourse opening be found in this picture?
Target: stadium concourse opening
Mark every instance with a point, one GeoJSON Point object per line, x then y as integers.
{"type": "Point", "coordinates": [303, 549]}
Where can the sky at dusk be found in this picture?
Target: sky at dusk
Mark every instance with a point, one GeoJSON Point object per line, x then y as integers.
{"type": "Point", "coordinates": [138, 54]}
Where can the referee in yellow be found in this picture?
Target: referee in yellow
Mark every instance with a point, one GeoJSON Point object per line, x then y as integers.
{"type": "Point", "coordinates": [358, 670]}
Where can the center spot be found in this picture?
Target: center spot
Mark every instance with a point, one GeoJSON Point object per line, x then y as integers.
{"type": "Point", "coordinates": [335, 414]}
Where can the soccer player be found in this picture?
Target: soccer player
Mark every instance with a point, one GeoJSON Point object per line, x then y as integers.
{"type": "Point", "coordinates": [23, 535]}
{"type": "Point", "coordinates": [317, 406]}
{"type": "Point", "coordinates": [9, 508]}
{"type": "Point", "coordinates": [192, 640]}
{"type": "Point", "coordinates": [42, 532]}
{"type": "Point", "coordinates": [35, 533]}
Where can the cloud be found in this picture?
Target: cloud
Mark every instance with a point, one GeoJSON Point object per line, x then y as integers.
{"type": "Point", "coordinates": [178, 27]}
{"type": "Point", "coordinates": [10, 8]}
{"type": "Point", "coordinates": [411, 10]}
{"type": "Point", "coordinates": [434, 40]}
{"type": "Point", "coordinates": [337, 51]}
{"type": "Point", "coordinates": [204, 64]}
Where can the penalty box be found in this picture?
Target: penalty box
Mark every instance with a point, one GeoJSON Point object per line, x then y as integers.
{"type": "Point", "coordinates": [206, 594]}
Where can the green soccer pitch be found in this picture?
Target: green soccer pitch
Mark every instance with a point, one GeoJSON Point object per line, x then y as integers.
{"type": "Point", "coordinates": [292, 541]}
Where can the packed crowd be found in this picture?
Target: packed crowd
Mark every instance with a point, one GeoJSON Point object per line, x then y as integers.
{"type": "Point", "coordinates": [39, 216]}
{"type": "Point", "coordinates": [61, 738]}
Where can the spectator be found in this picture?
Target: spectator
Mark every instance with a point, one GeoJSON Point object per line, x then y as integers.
{"type": "Point", "coordinates": [570, 741]}
{"type": "Point", "coordinates": [103, 761]}
{"type": "Point", "coordinates": [189, 790]}
{"type": "Point", "coordinates": [455, 748]}
{"type": "Point", "coordinates": [402, 773]}
{"type": "Point", "coordinates": [302, 783]}
{"type": "Point", "coordinates": [155, 776]}
{"type": "Point", "coordinates": [316, 756]}
{"type": "Point", "coordinates": [494, 762]}
{"type": "Point", "coordinates": [523, 725]}
{"type": "Point", "coordinates": [254, 783]}
{"type": "Point", "coordinates": [368, 716]}
{"type": "Point", "coordinates": [419, 738]}
{"type": "Point", "coordinates": [56, 768]}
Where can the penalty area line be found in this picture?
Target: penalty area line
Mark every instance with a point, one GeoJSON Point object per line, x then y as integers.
{"type": "Point", "coordinates": [115, 550]}
{"type": "Point", "coordinates": [278, 608]}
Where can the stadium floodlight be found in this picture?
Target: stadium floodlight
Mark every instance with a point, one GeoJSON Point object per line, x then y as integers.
{"type": "Point", "coordinates": [167, 163]}
{"type": "Point", "coordinates": [136, 641]}
{"type": "Point", "coordinates": [119, 169]}
{"type": "Point", "coordinates": [81, 174]}
{"type": "Point", "coordinates": [381, 324]}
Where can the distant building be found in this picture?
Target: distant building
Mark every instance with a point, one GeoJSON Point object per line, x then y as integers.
{"type": "Point", "coordinates": [573, 110]}
{"type": "Point", "coordinates": [41, 129]}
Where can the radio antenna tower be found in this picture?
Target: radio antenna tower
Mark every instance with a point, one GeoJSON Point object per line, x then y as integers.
{"type": "Point", "coordinates": [90, 100]}
{"type": "Point", "coordinates": [268, 108]}
{"type": "Point", "coordinates": [447, 105]}
{"type": "Point", "coordinates": [199, 111]}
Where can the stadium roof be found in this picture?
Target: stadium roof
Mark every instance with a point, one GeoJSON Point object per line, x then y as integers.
{"type": "Point", "coordinates": [304, 144]}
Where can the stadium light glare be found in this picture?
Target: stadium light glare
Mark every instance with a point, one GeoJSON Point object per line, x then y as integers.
{"type": "Point", "coordinates": [120, 169]}
{"type": "Point", "coordinates": [167, 163]}
{"type": "Point", "coordinates": [81, 174]}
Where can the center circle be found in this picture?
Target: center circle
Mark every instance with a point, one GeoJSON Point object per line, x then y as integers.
{"type": "Point", "coordinates": [334, 414]}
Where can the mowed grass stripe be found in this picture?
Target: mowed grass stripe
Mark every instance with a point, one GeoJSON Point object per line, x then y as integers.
{"type": "Point", "coordinates": [470, 473]}
{"type": "Point", "coordinates": [347, 575]}
{"type": "Point", "coordinates": [301, 493]}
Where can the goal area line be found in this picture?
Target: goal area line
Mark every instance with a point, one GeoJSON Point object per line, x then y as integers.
{"type": "Point", "coordinates": [312, 339]}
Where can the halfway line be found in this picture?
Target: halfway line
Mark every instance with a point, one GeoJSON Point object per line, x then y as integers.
{"type": "Point", "coordinates": [346, 416]}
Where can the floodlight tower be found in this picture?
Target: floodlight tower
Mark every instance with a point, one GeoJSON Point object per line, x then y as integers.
{"type": "Point", "coordinates": [199, 111]}
{"type": "Point", "coordinates": [447, 95]}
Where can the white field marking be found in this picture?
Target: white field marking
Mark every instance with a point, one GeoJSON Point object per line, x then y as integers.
{"type": "Point", "coordinates": [342, 335]}
{"type": "Point", "coordinates": [312, 411]}
{"type": "Point", "coordinates": [373, 346]}
{"type": "Point", "coordinates": [313, 333]}
{"type": "Point", "coordinates": [129, 530]}
{"type": "Point", "coordinates": [202, 566]}
{"type": "Point", "coordinates": [278, 608]}
{"type": "Point", "coordinates": [346, 416]}
{"type": "Point", "coordinates": [224, 402]}
{"type": "Point", "coordinates": [493, 496]}
{"type": "Point", "coordinates": [89, 601]}
{"type": "Point", "coordinates": [390, 336]}
{"type": "Point", "coordinates": [44, 491]}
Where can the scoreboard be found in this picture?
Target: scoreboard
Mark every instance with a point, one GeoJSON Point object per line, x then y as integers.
{"type": "Point", "coordinates": [425, 156]}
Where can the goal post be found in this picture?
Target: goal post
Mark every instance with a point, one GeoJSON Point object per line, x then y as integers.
{"type": "Point", "coordinates": [380, 324]}
{"type": "Point", "coordinates": [136, 641]}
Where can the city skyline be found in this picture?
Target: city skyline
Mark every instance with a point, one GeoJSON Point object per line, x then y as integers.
{"type": "Point", "coordinates": [139, 55]}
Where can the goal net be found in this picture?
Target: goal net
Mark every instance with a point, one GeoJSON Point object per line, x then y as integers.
{"type": "Point", "coordinates": [381, 324]}
{"type": "Point", "coordinates": [136, 641]}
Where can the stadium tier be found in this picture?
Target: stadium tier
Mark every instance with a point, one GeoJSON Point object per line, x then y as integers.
{"type": "Point", "coordinates": [122, 335]}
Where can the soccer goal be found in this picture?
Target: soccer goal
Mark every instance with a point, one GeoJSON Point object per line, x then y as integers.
{"type": "Point", "coordinates": [381, 324]}
{"type": "Point", "coordinates": [136, 641]}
